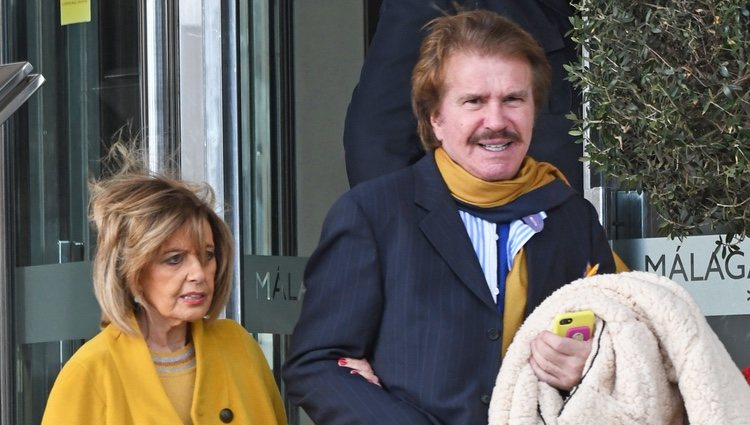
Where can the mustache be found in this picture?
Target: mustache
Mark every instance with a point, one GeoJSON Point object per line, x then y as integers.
{"type": "Point", "coordinates": [490, 134]}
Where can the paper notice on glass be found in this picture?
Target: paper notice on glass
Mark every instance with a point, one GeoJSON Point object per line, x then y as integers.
{"type": "Point", "coordinates": [75, 11]}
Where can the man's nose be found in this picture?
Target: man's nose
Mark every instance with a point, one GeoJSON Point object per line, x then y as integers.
{"type": "Point", "coordinates": [494, 118]}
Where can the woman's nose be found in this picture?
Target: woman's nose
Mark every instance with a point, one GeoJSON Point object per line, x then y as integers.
{"type": "Point", "coordinates": [195, 271]}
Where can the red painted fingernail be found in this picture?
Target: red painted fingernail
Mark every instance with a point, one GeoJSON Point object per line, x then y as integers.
{"type": "Point", "coordinates": [342, 362]}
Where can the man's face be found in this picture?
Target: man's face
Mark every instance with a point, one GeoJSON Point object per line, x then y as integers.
{"type": "Point", "coordinates": [486, 115]}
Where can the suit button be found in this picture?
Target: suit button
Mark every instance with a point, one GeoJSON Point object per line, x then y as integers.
{"type": "Point", "coordinates": [493, 334]}
{"type": "Point", "coordinates": [485, 398]}
{"type": "Point", "coordinates": [226, 415]}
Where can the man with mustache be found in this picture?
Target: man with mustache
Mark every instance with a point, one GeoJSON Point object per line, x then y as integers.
{"type": "Point", "coordinates": [380, 131]}
{"type": "Point", "coordinates": [428, 272]}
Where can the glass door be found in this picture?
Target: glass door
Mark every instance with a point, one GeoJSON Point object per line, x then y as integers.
{"type": "Point", "coordinates": [55, 142]}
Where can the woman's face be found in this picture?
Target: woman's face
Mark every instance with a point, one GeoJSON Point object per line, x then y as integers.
{"type": "Point", "coordinates": [177, 286]}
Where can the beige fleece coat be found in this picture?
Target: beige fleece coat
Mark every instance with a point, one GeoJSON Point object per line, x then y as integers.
{"type": "Point", "coordinates": [654, 360]}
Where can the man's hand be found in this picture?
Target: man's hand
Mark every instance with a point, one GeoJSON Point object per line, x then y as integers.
{"type": "Point", "coordinates": [360, 367]}
{"type": "Point", "coordinates": [559, 361]}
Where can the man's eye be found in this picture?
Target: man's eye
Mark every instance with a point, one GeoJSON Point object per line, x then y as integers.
{"type": "Point", "coordinates": [472, 101]}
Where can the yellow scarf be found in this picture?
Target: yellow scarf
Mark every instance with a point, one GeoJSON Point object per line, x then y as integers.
{"type": "Point", "coordinates": [474, 191]}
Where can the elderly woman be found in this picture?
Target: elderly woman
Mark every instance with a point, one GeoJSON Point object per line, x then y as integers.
{"type": "Point", "coordinates": [161, 277]}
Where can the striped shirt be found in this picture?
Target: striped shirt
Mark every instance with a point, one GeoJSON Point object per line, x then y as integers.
{"type": "Point", "coordinates": [483, 235]}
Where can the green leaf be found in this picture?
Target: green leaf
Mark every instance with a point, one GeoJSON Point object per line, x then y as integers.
{"type": "Point", "coordinates": [723, 71]}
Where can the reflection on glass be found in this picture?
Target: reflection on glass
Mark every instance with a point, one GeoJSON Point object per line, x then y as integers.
{"type": "Point", "coordinates": [39, 365]}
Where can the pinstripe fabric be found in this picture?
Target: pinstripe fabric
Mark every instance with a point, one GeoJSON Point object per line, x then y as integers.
{"type": "Point", "coordinates": [395, 279]}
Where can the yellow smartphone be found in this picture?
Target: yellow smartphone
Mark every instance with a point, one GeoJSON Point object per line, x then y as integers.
{"type": "Point", "coordinates": [576, 324]}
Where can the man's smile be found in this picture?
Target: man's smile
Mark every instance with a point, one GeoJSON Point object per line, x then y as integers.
{"type": "Point", "coordinates": [498, 147]}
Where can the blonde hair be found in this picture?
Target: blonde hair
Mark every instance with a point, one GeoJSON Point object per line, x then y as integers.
{"type": "Point", "coordinates": [478, 31]}
{"type": "Point", "coordinates": [135, 211]}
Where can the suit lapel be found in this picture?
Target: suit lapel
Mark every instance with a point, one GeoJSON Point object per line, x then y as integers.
{"type": "Point", "coordinates": [443, 227]}
{"type": "Point", "coordinates": [143, 390]}
{"type": "Point", "coordinates": [537, 266]}
{"type": "Point", "coordinates": [211, 379]}
{"type": "Point", "coordinates": [142, 384]}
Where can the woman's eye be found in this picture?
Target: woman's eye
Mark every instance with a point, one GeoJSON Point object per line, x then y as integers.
{"type": "Point", "coordinates": [210, 254]}
{"type": "Point", "coordinates": [174, 259]}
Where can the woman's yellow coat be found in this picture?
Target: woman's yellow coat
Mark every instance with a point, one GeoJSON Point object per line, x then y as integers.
{"type": "Point", "coordinates": [112, 380]}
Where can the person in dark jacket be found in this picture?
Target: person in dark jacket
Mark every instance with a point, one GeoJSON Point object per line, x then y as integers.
{"type": "Point", "coordinates": [426, 273]}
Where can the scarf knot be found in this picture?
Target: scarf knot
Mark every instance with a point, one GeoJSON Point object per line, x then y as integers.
{"type": "Point", "coordinates": [472, 190]}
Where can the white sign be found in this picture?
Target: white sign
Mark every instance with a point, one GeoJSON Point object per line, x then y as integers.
{"type": "Point", "coordinates": [715, 271]}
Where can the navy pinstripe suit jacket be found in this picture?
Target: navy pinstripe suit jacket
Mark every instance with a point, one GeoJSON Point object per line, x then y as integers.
{"type": "Point", "coordinates": [395, 280]}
